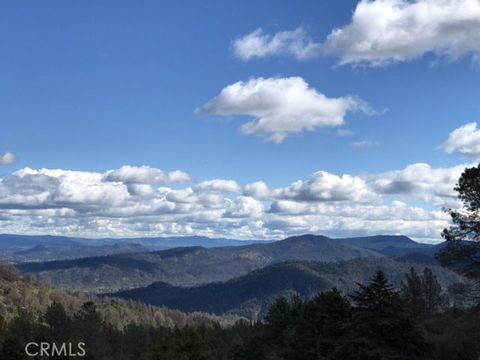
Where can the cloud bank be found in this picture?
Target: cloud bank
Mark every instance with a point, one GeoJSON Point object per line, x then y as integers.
{"type": "Point", "coordinates": [136, 201]}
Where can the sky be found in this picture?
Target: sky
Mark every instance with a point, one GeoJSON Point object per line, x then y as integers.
{"type": "Point", "coordinates": [247, 120]}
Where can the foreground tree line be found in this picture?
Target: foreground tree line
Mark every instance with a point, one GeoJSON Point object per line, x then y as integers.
{"type": "Point", "coordinates": [377, 322]}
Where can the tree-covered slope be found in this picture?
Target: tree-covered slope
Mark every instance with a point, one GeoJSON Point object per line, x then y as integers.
{"type": "Point", "coordinates": [187, 266]}
{"type": "Point", "coordinates": [251, 294]}
{"type": "Point", "coordinates": [18, 293]}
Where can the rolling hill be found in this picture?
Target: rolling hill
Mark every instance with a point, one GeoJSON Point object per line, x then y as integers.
{"type": "Point", "coordinates": [187, 266]}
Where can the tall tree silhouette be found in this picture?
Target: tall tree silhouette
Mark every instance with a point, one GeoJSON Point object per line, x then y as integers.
{"type": "Point", "coordinates": [463, 250]}
{"type": "Point", "coordinates": [382, 327]}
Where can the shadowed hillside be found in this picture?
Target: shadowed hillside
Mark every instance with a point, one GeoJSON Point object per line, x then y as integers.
{"type": "Point", "coordinates": [187, 266]}
{"type": "Point", "coordinates": [250, 295]}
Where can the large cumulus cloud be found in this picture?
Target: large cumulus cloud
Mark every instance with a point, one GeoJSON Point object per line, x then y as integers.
{"type": "Point", "coordinates": [381, 32]}
{"type": "Point", "coordinates": [281, 107]}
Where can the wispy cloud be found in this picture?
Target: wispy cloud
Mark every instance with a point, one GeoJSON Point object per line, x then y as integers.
{"type": "Point", "coordinates": [257, 44]}
{"type": "Point", "coordinates": [365, 143]}
{"type": "Point", "coordinates": [7, 158]}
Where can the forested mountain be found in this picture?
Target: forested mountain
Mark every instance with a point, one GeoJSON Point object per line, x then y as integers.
{"type": "Point", "coordinates": [251, 295]}
{"type": "Point", "coordinates": [17, 293]}
{"type": "Point", "coordinates": [187, 266]}
{"type": "Point", "coordinates": [376, 323]}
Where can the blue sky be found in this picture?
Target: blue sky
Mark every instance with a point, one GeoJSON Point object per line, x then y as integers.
{"type": "Point", "coordinates": [92, 86]}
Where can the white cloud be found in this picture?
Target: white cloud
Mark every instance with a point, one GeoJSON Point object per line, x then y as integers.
{"type": "Point", "coordinates": [218, 186]}
{"type": "Point", "coordinates": [421, 181]}
{"type": "Point", "coordinates": [364, 143]}
{"type": "Point", "coordinates": [382, 32]}
{"type": "Point", "coordinates": [7, 158]}
{"type": "Point", "coordinates": [387, 31]}
{"type": "Point", "coordinates": [281, 107]}
{"type": "Point", "coordinates": [344, 132]}
{"type": "Point", "coordinates": [46, 188]}
{"type": "Point", "coordinates": [82, 203]}
{"type": "Point", "coordinates": [465, 140]}
{"type": "Point", "coordinates": [145, 175]}
{"type": "Point", "coordinates": [257, 189]}
{"type": "Point", "coordinates": [257, 44]}
{"type": "Point", "coordinates": [245, 207]}
{"type": "Point", "coordinates": [323, 186]}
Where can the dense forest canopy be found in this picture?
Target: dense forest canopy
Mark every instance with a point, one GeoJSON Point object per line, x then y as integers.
{"type": "Point", "coordinates": [377, 322]}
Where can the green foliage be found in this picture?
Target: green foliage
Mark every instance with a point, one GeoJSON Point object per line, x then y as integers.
{"type": "Point", "coordinates": [42, 301]}
{"type": "Point", "coordinates": [382, 327]}
{"type": "Point", "coordinates": [377, 325]}
{"type": "Point", "coordinates": [57, 320]}
{"type": "Point", "coordinates": [432, 291]}
{"type": "Point", "coordinates": [412, 292]}
{"type": "Point", "coordinates": [12, 349]}
{"type": "Point", "coordinates": [423, 294]}
{"type": "Point", "coordinates": [463, 250]}
{"type": "Point", "coordinates": [456, 334]}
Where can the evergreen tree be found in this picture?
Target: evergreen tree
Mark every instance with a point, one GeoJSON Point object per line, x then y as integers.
{"type": "Point", "coordinates": [279, 331]}
{"type": "Point", "coordinates": [278, 316]}
{"type": "Point", "coordinates": [422, 294]}
{"type": "Point", "coordinates": [461, 255]}
{"type": "Point", "coordinates": [382, 327]}
{"type": "Point", "coordinates": [58, 321]}
{"type": "Point", "coordinates": [377, 297]}
{"type": "Point", "coordinates": [90, 329]}
{"type": "Point", "coordinates": [412, 292]}
{"type": "Point", "coordinates": [432, 292]}
{"type": "Point", "coordinates": [12, 349]}
{"type": "Point", "coordinates": [322, 321]}
{"type": "Point", "coordinates": [459, 295]}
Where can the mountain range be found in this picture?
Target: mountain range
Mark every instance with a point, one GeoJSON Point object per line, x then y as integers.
{"type": "Point", "coordinates": [36, 248]}
{"type": "Point", "coordinates": [193, 266]}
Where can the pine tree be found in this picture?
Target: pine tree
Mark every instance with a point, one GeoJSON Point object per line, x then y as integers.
{"type": "Point", "coordinates": [381, 327]}
{"type": "Point", "coordinates": [322, 321]}
{"type": "Point", "coordinates": [460, 255]}
{"type": "Point", "coordinates": [412, 293]}
{"type": "Point", "coordinates": [58, 321]}
{"type": "Point", "coordinates": [377, 297]}
{"type": "Point", "coordinates": [432, 292]}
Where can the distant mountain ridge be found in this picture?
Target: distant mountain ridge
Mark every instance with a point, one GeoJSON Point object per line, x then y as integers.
{"type": "Point", "coordinates": [379, 242]}
{"type": "Point", "coordinates": [190, 266]}
{"type": "Point", "coordinates": [24, 248]}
